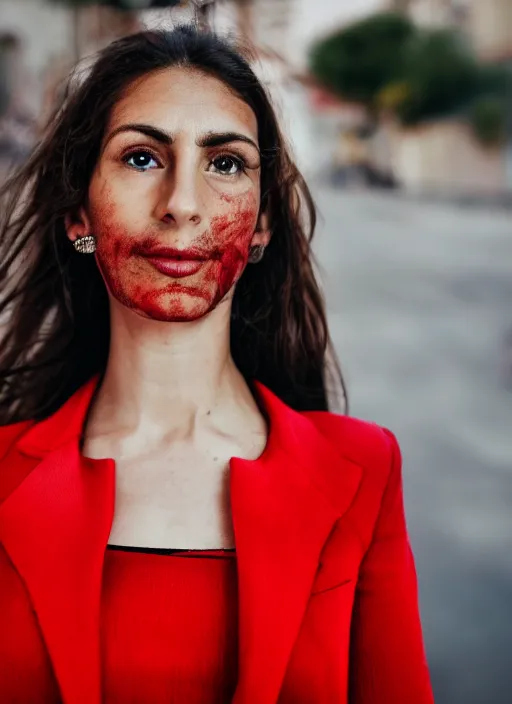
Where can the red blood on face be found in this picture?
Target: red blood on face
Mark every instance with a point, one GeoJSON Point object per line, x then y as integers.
{"type": "Point", "coordinates": [133, 280]}
{"type": "Point", "coordinates": [235, 255]}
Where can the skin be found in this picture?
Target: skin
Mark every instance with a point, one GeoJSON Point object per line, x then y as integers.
{"type": "Point", "coordinates": [147, 192]}
{"type": "Point", "coordinates": [173, 408]}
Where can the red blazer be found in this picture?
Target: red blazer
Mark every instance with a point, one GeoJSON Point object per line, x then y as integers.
{"type": "Point", "coordinates": [328, 604]}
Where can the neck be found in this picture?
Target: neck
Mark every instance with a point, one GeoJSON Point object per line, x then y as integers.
{"type": "Point", "coordinates": [166, 375]}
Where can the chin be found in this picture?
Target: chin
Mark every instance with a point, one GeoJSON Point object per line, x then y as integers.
{"type": "Point", "coordinates": [176, 314]}
{"type": "Point", "coordinates": [185, 306]}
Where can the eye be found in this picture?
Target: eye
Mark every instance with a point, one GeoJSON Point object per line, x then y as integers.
{"type": "Point", "coordinates": [228, 165]}
{"type": "Point", "coordinates": [141, 160]}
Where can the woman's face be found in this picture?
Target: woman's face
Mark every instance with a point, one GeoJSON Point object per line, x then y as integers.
{"type": "Point", "coordinates": [175, 196]}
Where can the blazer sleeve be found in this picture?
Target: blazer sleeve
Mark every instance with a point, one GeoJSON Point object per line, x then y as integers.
{"type": "Point", "coordinates": [388, 663]}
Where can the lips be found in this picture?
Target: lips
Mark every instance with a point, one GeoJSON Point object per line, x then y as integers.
{"type": "Point", "coordinates": [176, 268]}
{"type": "Point", "coordinates": [176, 263]}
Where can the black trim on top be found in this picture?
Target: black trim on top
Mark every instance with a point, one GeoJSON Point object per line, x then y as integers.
{"type": "Point", "coordinates": [171, 551]}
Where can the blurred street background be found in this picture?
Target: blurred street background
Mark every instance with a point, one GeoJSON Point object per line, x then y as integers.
{"type": "Point", "coordinates": [399, 113]}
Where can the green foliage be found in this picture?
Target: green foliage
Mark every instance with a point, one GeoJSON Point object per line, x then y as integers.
{"type": "Point", "coordinates": [441, 73]}
{"type": "Point", "coordinates": [358, 61]}
{"type": "Point", "coordinates": [495, 80]}
{"type": "Point", "coordinates": [393, 96]}
{"type": "Point", "coordinates": [489, 119]}
{"type": "Point", "coordinates": [386, 63]}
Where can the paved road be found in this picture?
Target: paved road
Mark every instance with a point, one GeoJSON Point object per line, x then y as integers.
{"type": "Point", "coordinates": [420, 298]}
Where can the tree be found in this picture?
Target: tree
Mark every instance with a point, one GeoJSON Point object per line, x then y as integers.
{"type": "Point", "coordinates": [496, 79]}
{"type": "Point", "coordinates": [441, 73]}
{"type": "Point", "coordinates": [358, 61]}
{"type": "Point", "coordinates": [443, 78]}
{"type": "Point", "coordinates": [391, 66]}
{"type": "Point", "coordinates": [488, 119]}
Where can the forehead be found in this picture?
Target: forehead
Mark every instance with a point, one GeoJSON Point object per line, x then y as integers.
{"type": "Point", "coordinates": [184, 99]}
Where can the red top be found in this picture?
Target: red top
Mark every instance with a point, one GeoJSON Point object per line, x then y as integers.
{"type": "Point", "coordinates": [327, 588]}
{"type": "Point", "coordinates": [169, 631]}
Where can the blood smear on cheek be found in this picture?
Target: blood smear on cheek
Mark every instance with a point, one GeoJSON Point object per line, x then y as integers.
{"type": "Point", "coordinates": [238, 232]}
{"type": "Point", "coordinates": [112, 257]}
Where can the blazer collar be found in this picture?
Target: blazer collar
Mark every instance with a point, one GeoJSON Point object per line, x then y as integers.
{"type": "Point", "coordinates": [64, 426]}
{"type": "Point", "coordinates": [55, 527]}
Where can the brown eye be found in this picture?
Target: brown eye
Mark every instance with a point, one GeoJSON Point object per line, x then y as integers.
{"type": "Point", "coordinates": [228, 165]}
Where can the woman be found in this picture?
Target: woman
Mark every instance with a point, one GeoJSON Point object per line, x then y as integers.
{"type": "Point", "coordinates": [182, 519]}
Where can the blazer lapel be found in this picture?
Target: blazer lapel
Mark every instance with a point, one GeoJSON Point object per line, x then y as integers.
{"type": "Point", "coordinates": [282, 517]}
{"type": "Point", "coordinates": [55, 527]}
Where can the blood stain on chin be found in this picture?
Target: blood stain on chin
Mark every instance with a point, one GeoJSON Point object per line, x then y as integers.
{"type": "Point", "coordinates": [169, 303]}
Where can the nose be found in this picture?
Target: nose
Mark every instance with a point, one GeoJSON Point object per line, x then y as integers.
{"type": "Point", "coordinates": [179, 201]}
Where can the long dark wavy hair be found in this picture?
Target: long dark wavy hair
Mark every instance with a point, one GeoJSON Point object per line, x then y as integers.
{"type": "Point", "coordinates": [54, 311]}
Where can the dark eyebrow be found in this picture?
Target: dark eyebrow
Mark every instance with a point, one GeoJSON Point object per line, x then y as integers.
{"type": "Point", "coordinates": [148, 130]}
{"type": "Point", "coordinates": [215, 139]}
{"type": "Point", "coordinates": [212, 139]}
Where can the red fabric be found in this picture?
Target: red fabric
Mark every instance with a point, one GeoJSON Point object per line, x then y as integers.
{"type": "Point", "coordinates": [326, 583]}
{"type": "Point", "coordinates": [168, 632]}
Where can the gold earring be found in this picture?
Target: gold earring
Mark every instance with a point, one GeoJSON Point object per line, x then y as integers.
{"type": "Point", "coordinates": [256, 254]}
{"type": "Point", "coordinates": [85, 244]}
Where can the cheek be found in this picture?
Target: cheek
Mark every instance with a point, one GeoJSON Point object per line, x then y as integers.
{"type": "Point", "coordinates": [115, 261]}
{"type": "Point", "coordinates": [112, 250]}
{"type": "Point", "coordinates": [114, 239]}
{"type": "Point", "coordinates": [133, 284]}
{"type": "Point", "coordinates": [112, 210]}
{"type": "Point", "coordinates": [233, 235]}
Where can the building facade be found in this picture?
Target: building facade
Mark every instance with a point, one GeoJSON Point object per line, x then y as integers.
{"type": "Point", "coordinates": [443, 157]}
{"type": "Point", "coordinates": [491, 29]}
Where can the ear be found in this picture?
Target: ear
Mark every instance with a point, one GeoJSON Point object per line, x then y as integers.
{"type": "Point", "coordinates": [77, 225]}
{"type": "Point", "coordinates": [262, 233]}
